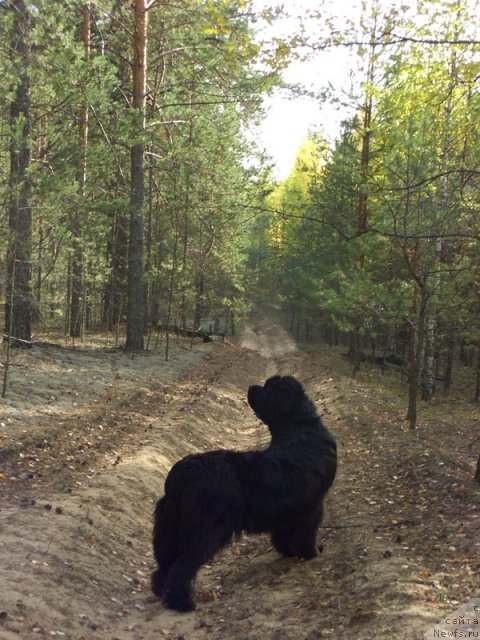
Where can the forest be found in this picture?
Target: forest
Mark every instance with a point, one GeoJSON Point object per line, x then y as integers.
{"type": "Point", "coordinates": [153, 267]}
{"type": "Point", "coordinates": [133, 197]}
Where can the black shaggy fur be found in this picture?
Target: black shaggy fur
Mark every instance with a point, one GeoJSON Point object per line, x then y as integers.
{"type": "Point", "coordinates": [210, 497]}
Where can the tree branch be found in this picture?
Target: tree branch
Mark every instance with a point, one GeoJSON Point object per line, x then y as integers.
{"type": "Point", "coordinates": [468, 172]}
{"type": "Point", "coordinates": [387, 40]}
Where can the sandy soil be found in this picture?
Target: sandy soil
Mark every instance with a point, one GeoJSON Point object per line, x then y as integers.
{"type": "Point", "coordinates": [87, 440]}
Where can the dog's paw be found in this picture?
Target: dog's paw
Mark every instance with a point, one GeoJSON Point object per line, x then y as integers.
{"type": "Point", "coordinates": [178, 601]}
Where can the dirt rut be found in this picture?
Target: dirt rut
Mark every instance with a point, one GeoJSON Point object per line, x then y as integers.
{"type": "Point", "coordinates": [75, 564]}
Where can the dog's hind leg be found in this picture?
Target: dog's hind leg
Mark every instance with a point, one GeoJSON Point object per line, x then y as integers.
{"type": "Point", "coordinates": [199, 547]}
{"type": "Point", "coordinates": [177, 587]}
{"type": "Point", "coordinates": [165, 542]}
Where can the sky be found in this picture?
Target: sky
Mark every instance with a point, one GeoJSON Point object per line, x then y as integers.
{"type": "Point", "coordinates": [288, 120]}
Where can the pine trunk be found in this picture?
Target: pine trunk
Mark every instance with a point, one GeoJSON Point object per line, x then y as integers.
{"type": "Point", "coordinates": [117, 250]}
{"type": "Point", "coordinates": [18, 304]}
{"type": "Point", "coordinates": [449, 364]}
{"type": "Point", "coordinates": [477, 376]}
{"type": "Point", "coordinates": [76, 320]}
{"type": "Point", "coordinates": [364, 162]}
{"type": "Point", "coordinates": [135, 294]}
{"type": "Point", "coordinates": [199, 301]}
{"type": "Point", "coordinates": [416, 357]}
{"type": "Point", "coordinates": [428, 387]}
{"type": "Point", "coordinates": [366, 139]}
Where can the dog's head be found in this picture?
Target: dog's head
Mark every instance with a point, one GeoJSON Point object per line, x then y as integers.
{"type": "Point", "coordinates": [280, 397]}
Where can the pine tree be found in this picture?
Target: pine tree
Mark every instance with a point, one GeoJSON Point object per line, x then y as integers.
{"type": "Point", "coordinates": [18, 304]}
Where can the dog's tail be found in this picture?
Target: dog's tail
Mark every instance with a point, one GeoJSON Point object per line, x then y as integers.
{"type": "Point", "coordinates": [165, 539]}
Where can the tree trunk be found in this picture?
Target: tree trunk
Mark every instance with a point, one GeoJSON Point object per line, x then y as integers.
{"type": "Point", "coordinates": [199, 300]}
{"type": "Point", "coordinates": [171, 285]}
{"type": "Point", "coordinates": [135, 293]}
{"type": "Point", "coordinates": [365, 158]}
{"type": "Point", "coordinates": [477, 381]}
{"type": "Point", "coordinates": [200, 279]}
{"type": "Point", "coordinates": [355, 353]}
{"type": "Point", "coordinates": [117, 251]}
{"type": "Point", "coordinates": [232, 318]}
{"type": "Point", "coordinates": [38, 283]}
{"type": "Point", "coordinates": [416, 358]}
{"type": "Point", "coordinates": [428, 377]}
{"type": "Point", "coordinates": [183, 306]}
{"type": "Point", "coordinates": [292, 319]}
{"type": "Point", "coordinates": [366, 137]}
{"type": "Point", "coordinates": [449, 363]}
{"type": "Point", "coordinates": [186, 209]}
{"type": "Point", "coordinates": [76, 319]}
{"type": "Point", "coordinates": [18, 305]}
{"type": "Point", "coordinates": [150, 302]}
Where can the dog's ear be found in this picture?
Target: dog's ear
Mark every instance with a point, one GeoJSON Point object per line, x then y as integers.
{"type": "Point", "coordinates": [283, 395]}
{"type": "Point", "coordinates": [272, 382]}
{"type": "Point", "coordinates": [256, 399]}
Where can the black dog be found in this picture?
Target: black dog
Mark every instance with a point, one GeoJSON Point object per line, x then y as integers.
{"type": "Point", "coordinates": [210, 497]}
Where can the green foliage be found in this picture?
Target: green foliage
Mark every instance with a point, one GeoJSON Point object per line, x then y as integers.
{"type": "Point", "coordinates": [204, 86]}
{"type": "Point", "coordinates": [215, 226]}
{"type": "Point", "coordinates": [419, 180]}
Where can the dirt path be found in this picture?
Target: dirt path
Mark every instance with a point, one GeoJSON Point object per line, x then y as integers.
{"type": "Point", "coordinates": [75, 552]}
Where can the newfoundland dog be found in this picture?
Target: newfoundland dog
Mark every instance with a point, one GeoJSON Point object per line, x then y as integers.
{"type": "Point", "coordinates": [211, 497]}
